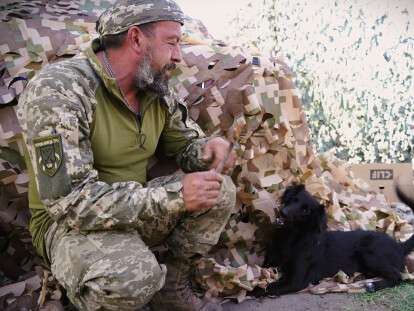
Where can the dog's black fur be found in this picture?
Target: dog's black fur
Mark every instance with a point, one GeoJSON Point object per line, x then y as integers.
{"type": "Point", "coordinates": [305, 252]}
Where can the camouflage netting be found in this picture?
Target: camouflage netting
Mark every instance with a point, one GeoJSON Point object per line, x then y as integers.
{"type": "Point", "coordinates": [253, 102]}
{"type": "Point", "coordinates": [246, 98]}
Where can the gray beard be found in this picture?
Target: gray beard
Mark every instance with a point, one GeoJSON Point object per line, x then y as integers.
{"type": "Point", "coordinates": [148, 80]}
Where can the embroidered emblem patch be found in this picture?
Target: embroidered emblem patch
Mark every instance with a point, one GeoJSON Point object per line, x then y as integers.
{"type": "Point", "coordinates": [49, 154]}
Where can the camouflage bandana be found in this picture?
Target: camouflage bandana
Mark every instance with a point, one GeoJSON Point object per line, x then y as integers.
{"type": "Point", "coordinates": [127, 13]}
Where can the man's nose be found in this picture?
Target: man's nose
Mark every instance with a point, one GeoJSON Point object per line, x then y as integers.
{"type": "Point", "coordinates": [176, 56]}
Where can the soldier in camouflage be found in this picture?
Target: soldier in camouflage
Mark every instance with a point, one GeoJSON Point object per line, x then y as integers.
{"type": "Point", "coordinates": [90, 125]}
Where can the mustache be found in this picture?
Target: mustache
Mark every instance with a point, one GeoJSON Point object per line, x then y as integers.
{"type": "Point", "coordinates": [170, 67]}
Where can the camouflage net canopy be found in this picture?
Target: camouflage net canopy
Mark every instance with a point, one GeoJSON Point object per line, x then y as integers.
{"type": "Point", "coordinates": [253, 102]}
{"type": "Point", "coordinates": [247, 98]}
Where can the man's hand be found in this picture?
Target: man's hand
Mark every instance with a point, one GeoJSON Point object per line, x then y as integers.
{"type": "Point", "coordinates": [201, 190]}
{"type": "Point", "coordinates": [217, 150]}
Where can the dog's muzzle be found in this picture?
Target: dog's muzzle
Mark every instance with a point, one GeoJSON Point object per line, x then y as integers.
{"type": "Point", "coordinates": [279, 222]}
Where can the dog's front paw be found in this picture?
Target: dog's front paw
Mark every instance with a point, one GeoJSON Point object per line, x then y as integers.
{"type": "Point", "coordinates": [258, 292]}
{"type": "Point", "coordinates": [370, 287]}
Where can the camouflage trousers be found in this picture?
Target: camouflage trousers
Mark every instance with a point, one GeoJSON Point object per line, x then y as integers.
{"type": "Point", "coordinates": [116, 270]}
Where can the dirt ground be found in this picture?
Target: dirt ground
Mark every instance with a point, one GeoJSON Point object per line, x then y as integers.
{"type": "Point", "coordinates": [305, 302]}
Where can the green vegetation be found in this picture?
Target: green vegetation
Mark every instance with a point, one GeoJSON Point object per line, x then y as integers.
{"type": "Point", "coordinates": [400, 298]}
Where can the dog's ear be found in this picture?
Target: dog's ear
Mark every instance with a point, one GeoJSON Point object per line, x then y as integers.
{"type": "Point", "coordinates": [295, 188]}
{"type": "Point", "coordinates": [298, 187]}
{"type": "Point", "coordinates": [292, 190]}
{"type": "Point", "coordinates": [320, 208]}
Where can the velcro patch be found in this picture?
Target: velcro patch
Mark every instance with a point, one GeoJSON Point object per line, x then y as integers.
{"type": "Point", "coordinates": [49, 154]}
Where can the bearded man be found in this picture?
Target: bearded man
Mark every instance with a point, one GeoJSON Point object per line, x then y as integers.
{"type": "Point", "coordinates": [90, 125]}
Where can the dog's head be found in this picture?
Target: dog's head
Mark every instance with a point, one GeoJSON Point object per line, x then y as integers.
{"type": "Point", "coordinates": [299, 207]}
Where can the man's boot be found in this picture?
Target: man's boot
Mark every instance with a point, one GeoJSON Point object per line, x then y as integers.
{"type": "Point", "coordinates": [177, 293]}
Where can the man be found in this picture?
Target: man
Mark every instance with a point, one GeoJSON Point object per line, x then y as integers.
{"type": "Point", "coordinates": [90, 125]}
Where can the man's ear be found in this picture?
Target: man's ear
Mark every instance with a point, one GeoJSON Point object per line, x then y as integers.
{"type": "Point", "coordinates": [136, 39]}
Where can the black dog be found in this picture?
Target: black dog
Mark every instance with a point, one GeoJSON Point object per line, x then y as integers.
{"type": "Point", "coordinates": [306, 252]}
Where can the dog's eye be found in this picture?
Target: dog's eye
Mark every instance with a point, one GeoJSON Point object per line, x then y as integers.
{"type": "Point", "coordinates": [304, 208]}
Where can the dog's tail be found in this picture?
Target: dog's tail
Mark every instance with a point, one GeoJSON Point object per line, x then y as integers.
{"type": "Point", "coordinates": [408, 245]}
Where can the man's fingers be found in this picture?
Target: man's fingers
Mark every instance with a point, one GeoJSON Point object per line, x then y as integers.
{"type": "Point", "coordinates": [212, 175]}
{"type": "Point", "coordinates": [207, 153]}
{"type": "Point", "coordinates": [214, 194]}
{"type": "Point", "coordinates": [209, 203]}
{"type": "Point", "coordinates": [230, 161]}
{"type": "Point", "coordinates": [211, 186]}
{"type": "Point", "coordinates": [219, 156]}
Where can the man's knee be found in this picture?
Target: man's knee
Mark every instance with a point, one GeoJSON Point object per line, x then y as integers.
{"type": "Point", "coordinates": [106, 270]}
{"type": "Point", "coordinates": [126, 284]}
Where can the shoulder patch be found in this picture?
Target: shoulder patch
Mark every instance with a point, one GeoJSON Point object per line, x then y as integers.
{"type": "Point", "coordinates": [49, 154]}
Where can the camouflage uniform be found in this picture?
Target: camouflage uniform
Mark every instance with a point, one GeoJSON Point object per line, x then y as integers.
{"type": "Point", "coordinates": [91, 216]}
{"type": "Point", "coordinates": [115, 269]}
